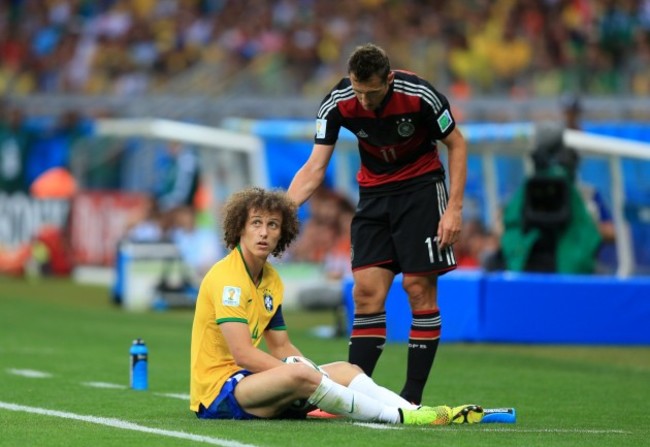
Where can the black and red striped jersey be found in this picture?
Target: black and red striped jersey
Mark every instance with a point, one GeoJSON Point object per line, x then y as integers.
{"type": "Point", "coordinates": [397, 142]}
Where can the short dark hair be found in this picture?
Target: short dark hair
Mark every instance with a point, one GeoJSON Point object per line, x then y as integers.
{"type": "Point", "coordinates": [254, 198]}
{"type": "Point", "coordinates": [368, 60]}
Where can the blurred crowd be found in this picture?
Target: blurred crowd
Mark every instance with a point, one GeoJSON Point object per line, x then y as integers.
{"type": "Point", "coordinates": [325, 234]}
{"type": "Point", "coordinates": [298, 47]}
{"type": "Point", "coordinates": [29, 148]}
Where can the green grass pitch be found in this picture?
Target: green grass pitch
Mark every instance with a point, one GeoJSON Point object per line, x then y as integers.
{"type": "Point", "coordinates": [64, 382]}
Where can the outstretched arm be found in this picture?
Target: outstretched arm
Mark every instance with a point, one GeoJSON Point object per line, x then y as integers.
{"type": "Point", "coordinates": [311, 174]}
{"type": "Point", "coordinates": [451, 221]}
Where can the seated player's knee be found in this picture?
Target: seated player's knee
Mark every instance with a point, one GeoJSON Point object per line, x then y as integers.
{"type": "Point", "coordinates": [342, 372]}
{"type": "Point", "coordinates": [347, 367]}
{"type": "Point", "coordinates": [302, 371]}
{"type": "Point", "coordinates": [304, 378]}
{"type": "Point", "coordinates": [354, 369]}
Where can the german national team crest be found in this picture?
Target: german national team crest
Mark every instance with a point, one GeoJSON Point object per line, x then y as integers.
{"type": "Point", "coordinates": [405, 127]}
{"type": "Point", "coordinates": [268, 301]}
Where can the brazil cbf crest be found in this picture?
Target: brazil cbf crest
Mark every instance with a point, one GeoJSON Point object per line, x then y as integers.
{"type": "Point", "coordinates": [268, 301]}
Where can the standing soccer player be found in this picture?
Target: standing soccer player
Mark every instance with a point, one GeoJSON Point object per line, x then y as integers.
{"type": "Point", "coordinates": [406, 220]}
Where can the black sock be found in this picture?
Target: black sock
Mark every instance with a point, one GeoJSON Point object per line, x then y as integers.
{"type": "Point", "coordinates": [367, 340]}
{"type": "Point", "coordinates": [423, 344]}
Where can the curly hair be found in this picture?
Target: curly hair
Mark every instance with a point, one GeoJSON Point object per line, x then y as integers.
{"type": "Point", "coordinates": [238, 206]}
{"type": "Point", "coordinates": [368, 60]}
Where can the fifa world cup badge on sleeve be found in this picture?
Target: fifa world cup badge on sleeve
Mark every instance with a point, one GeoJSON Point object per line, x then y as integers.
{"type": "Point", "coordinates": [321, 128]}
{"type": "Point", "coordinates": [231, 296]}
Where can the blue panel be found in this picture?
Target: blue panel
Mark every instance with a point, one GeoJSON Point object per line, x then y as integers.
{"type": "Point", "coordinates": [459, 298]}
{"type": "Point", "coordinates": [529, 308]}
{"type": "Point", "coordinates": [539, 308]}
{"type": "Point", "coordinates": [348, 303]}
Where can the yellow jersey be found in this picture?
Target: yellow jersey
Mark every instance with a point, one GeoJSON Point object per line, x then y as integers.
{"type": "Point", "coordinates": [227, 294]}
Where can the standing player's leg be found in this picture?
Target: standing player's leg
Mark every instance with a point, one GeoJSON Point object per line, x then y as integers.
{"type": "Point", "coordinates": [424, 335]}
{"type": "Point", "coordinates": [372, 250]}
{"type": "Point", "coordinates": [368, 335]}
{"type": "Point", "coordinates": [415, 218]}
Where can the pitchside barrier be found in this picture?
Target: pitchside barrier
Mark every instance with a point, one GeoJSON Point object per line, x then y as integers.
{"type": "Point", "coordinates": [512, 307]}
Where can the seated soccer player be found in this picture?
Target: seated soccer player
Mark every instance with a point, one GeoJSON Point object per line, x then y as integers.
{"type": "Point", "coordinates": [240, 303]}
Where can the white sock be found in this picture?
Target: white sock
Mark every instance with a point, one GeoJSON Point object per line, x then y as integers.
{"type": "Point", "coordinates": [338, 399]}
{"type": "Point", "coordinates": [364, 384]}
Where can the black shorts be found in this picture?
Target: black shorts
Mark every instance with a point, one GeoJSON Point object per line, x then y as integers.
{"type": "Point", "coordinates": [398, 231]}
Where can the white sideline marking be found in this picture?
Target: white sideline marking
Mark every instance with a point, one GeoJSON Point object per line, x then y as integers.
{"type": "Point", "coordinates": [104, 385]}
{"type": "Point", "coordinates": [117, 386]}
{"type": "Point", "coordinates": [586, 431]}
{"type": "Point", "coordinates": [124, 425]}
{"type": "Point", "coordinates": [504, 430]}
{"type": "Point", "coordinates": [174, 395]}
{"type": "Point", "coordinates": [31, 373]}
{"type": "Point", "coordinates": [377, 426]}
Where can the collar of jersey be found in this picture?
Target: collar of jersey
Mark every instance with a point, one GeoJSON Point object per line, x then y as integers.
{"type": "Point", "coordinates": [389, 93]}
{"type": "Point", "coordinates": [246, 267]}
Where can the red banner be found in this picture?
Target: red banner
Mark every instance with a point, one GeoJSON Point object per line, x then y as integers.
{"type": "Point", "coordinates": [32, 228]}
{"type": "Point", "coordinates": [98, 221]}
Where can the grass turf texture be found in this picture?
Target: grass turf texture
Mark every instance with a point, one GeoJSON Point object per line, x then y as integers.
{"type": "Point", "coordinates": [564, 395]}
